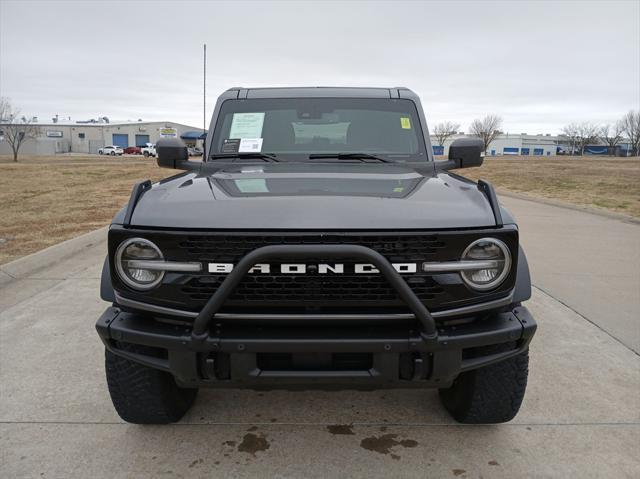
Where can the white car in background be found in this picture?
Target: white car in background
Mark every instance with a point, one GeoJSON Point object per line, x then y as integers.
{"type": "Point", "coordinates": [110, 150]}
{"type": "Point", "coordinates": [194, 151]}
{"type": "Point", "coordinates": [149, 150]}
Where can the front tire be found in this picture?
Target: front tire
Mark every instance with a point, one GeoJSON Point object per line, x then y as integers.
{"type": "Point", "coordinates": [142, 395]}
{"type": "Point", "coordinates": [146, 154]}
{"type": "Point", "coordinates": [489, 395]}
{"type": "Point", "coordinates": [113, 153]}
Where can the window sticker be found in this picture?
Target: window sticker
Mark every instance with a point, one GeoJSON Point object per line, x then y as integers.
{"type": "Point", "coordinates": [231, 145]}
{"type": "Point", "coordinates": [250, 145]}
{"type": "Point", "coordinates": [405, 123]}
{"type": "Point", "coordinates": [253, 185]}
{"type": "Point", "coordinates": [247, 125]}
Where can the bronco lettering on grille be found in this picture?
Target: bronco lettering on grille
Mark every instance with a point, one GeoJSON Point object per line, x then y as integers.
{"type": "Point", "coordinates": [323, 268]}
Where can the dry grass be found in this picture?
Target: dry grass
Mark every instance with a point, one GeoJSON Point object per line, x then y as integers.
{"type": "Point", "coordinates": [602, 183]}
{"type": "Point", "coordinates": [46, 200]}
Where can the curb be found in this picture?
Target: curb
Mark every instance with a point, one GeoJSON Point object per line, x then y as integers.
{"type": "Point", "coordinates": [561, 204]}
{"type": "Point", "coordinates": [23, 267]}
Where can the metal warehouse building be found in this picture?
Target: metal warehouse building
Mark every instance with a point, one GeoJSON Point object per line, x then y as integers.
{"type": "Point", "coordinates": [87, 137]}
{"type": "Point", "coordinates": [510, 144]}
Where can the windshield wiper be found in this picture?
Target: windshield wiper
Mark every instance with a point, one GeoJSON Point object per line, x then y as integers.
{"type": "Point", "coordinates": [246, 156]}
{"type": "Point", "coordinates": [349, 156]}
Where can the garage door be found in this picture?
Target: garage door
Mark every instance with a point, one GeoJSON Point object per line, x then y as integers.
{"type": "Point", "coordinates": [121, 140]}
{"type": "Point", "coordinates": [142, 140]}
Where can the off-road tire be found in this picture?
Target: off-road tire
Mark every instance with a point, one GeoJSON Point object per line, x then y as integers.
{"type": "Point", "coordinates": [488, 395]}
{"type": "Point", "coordinates": [143, 395]}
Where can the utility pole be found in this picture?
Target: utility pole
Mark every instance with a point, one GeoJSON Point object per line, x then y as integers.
{"type": "Point", "coordinates": [204, 91]}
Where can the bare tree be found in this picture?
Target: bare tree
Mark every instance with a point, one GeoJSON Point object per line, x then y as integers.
{"type": "Point", "coordinates": [571, 133]}
{"type": "Point", "coordinates": [612, 136]}
{"type": "Point", "coordinates": [631, 127]}
{"type": "Point", "coordinates": [587, 134]}
{"type": "Point", "coordinates": [487, 129]}
{"type": "Point", "coordinates": [581, 135]}
{"type": "Point", "coordinates": [16, 130]}
{"type": "Point", "coordinates": [445, 130]}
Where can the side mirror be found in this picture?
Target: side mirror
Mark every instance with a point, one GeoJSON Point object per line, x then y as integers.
{"type": "Point", "coordinates": [172, 153]}
{"type": "Point", "coordinates": [467, 152]}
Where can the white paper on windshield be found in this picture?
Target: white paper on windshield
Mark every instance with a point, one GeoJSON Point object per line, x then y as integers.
{"type": "Point", "coordinates": [252, 185]}
{"type": "Point", "coordinates": [247, 125]}
{"type": "Point", "coordinates": [250, 145]}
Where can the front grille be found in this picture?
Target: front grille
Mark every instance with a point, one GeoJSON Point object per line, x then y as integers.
{"type": "Point", "coordinates": [278, 289]}
{"type": "Point", "coordinates": [233, 247]}
{"type": "Point", "coordinates": [312, 291]}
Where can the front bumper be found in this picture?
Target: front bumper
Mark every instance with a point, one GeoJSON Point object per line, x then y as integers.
{"type": "Point", "coordinates": [309, 356]}
{"type": "Point", "coordinates": [216, 354]}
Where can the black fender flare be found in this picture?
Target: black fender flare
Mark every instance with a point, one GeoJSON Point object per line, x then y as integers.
{"type": "Point", "coordinates": [522, 290]}
{"type": "Point", "coordinates": [106, 288]}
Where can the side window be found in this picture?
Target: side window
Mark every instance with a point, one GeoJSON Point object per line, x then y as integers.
{"type": "Point", "coordinates": [81, 136]}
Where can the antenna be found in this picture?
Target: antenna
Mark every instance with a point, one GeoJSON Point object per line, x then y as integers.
{"type": "Point", "coordinates": [204, 95]}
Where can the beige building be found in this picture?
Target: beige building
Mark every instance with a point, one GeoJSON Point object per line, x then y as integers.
{"type": "Point", "coordinates": [87, 137]}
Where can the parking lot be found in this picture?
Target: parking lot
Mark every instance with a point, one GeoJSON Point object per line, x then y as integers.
{"type": "Point", "coordinates": [580, 418]}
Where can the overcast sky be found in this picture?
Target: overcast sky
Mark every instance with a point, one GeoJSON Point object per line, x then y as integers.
{"type": "Point", "coordinates": [540, 65]}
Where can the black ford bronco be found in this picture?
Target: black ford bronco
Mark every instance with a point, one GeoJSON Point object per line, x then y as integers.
{"type": "Point", "coordinates": [318, 244]}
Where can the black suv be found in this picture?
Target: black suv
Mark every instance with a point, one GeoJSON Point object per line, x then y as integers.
{"type": "Point", "coordinates": [316, 245]}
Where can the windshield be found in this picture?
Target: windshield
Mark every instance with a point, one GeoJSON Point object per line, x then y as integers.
{"type": "Point", "coordinates": [294, 128]}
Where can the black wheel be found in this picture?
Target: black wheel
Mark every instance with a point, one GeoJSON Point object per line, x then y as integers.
{"type": "Point", "coordinates": [99, 152]}
{"type": "Point", "coordinates": [488, 395]}
{"type": "Point", "coordinates": [113, 153]}
{"type": "Point", "coordinates": [143, 395]}
{"type": "Point", "coordinates": [146, 154]}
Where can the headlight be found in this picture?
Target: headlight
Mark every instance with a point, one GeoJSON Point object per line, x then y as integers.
{"type": "Point", "coordinates": [493, 261]}
{"type": "Point", "coordinates": [138, 250]}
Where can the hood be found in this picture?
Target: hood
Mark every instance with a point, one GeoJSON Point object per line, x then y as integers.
{"type": "Point", "coordinates": [314, 196]}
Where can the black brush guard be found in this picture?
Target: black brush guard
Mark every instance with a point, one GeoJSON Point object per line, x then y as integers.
{"type": "Point", "coordinates": [292, 252]}
{"type": "Point", "coordinates": [435, 353]}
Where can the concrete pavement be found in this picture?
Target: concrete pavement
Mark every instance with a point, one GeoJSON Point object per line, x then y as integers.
{"type": "Point", "coordinates": [580, 417]}
{"type": "Point", "coordinates": [589, 262]}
